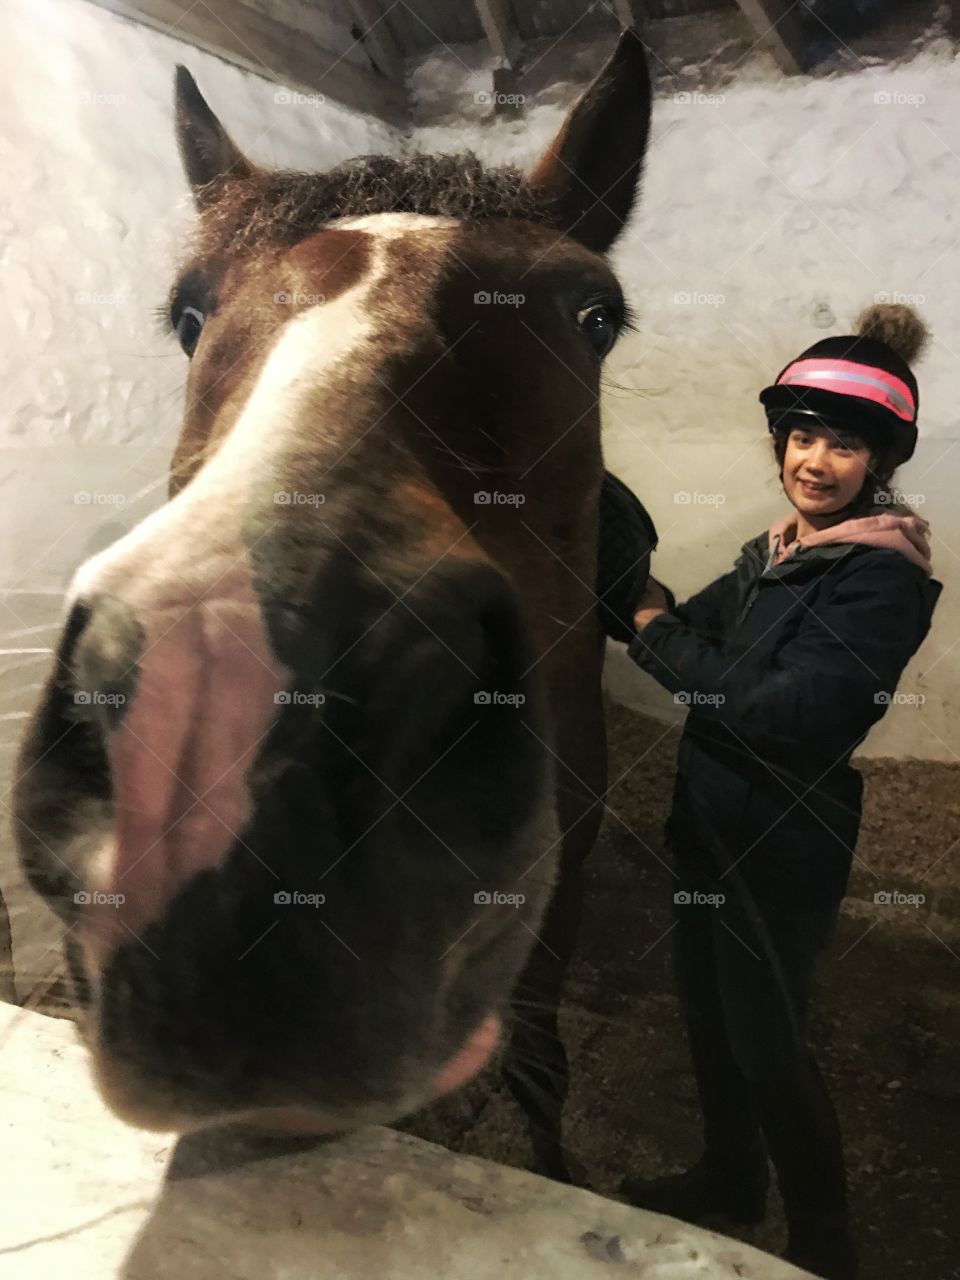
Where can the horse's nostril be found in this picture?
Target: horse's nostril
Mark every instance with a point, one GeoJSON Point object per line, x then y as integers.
{"type": "Point", "coordinates": [502, 626]}
{"type": "Point", "coordinates": [75, 626]}
{"type": "Point", "coordinates": [104, 656]}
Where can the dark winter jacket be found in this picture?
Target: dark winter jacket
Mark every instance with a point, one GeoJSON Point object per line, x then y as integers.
{"type": "Point", "coordinates": [784, 668]}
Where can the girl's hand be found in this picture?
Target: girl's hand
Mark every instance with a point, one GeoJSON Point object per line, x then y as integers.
{"type": "Point", "coordinates": [653, 602]}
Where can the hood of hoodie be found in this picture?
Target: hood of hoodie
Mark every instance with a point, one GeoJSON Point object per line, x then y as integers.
{"type": "Point", "coordinates": [908, 534]}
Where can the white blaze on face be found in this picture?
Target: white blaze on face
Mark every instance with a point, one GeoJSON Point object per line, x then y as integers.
{"type": "Point", "coordinates": [391, 226]}
{"type": "Point", "coordinates": [207, 680]}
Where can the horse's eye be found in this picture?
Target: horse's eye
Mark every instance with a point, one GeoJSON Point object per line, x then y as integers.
{"type": "Point", "coordinates": [189, 328]}
{"type": "Point", "coordinates": [600, 325]}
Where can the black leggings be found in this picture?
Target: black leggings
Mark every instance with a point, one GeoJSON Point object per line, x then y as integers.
{"type": "Point", "coordinates": [745, 1011]}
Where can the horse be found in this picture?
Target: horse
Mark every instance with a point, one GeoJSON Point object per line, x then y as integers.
{"type": "Point", "coordinates": [322, 749]}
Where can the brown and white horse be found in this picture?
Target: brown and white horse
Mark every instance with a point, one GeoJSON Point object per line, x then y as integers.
{"type": "Point", "coordinates": [322, 749]}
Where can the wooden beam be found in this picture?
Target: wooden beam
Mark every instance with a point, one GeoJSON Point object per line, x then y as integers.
{"type": "Point", "coordinates": [633, 13]}
{"type": "Point", "coordinates": [249, 38]}
{"type": "Point", "coordinates": [377, 40]}
{"type": "Point", "coordinates": [780, 30]}
{"type": "Point", "coordinates": [500, 30]}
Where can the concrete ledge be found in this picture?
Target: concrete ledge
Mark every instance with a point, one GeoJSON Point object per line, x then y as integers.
{"type": "Point", "coordinates": [85, 1196]}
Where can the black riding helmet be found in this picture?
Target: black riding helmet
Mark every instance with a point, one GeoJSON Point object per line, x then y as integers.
{"type": "Point", "coordinates": [861, 382]}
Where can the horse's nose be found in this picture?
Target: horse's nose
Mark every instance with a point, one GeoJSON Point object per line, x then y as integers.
{"type": "Point", "coordinates": [181, 692]}
{"type": "Point", "coordinates": [198, 707]}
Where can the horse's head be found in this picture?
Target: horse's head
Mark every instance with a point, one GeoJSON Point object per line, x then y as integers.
{"type": "Point", "coordinates": [302, 721]}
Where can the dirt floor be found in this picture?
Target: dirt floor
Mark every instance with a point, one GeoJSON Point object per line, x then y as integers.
{"type": "Point", "coordinates": [886, 1020]}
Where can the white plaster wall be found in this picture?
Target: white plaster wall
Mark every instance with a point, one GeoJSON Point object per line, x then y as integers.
{"type": "Point", "coordinates": [770, 215]}
{"type": "Point", "coordinates": [91, 208]}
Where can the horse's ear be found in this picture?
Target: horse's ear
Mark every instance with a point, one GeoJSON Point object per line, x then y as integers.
{"type": "Point", "coordinates": [206, 149]}
{"type": "Point", "coordinates": [591, 170]}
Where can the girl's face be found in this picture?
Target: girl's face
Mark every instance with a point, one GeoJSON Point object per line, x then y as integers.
{"type": "Point", "coordinates": [823, 468]}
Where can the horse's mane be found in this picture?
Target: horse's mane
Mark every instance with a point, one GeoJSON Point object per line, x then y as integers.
{"type": "Point", "coordinates": [283, 206]}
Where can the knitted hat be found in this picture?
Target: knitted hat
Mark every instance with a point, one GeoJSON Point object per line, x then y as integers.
{"type": "Point", "coordinates": [861, 382]}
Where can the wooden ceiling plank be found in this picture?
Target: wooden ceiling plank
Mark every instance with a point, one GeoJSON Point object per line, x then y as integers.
{"type": "Point", "coordinates": [378, 40]}
{"type": "Point", "coordinates": [633, 13]}
{"type": "Point", "coordinates": [501, 31]}
{"type": "Point", "coordinates": [780, 31]}
{"type": "Point", "coordinates": [258, 42]}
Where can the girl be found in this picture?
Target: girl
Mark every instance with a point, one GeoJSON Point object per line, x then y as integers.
{"type": "Point", "coordinates": [785, 662]}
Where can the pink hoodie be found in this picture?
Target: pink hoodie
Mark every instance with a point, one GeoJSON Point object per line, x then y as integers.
{"type": "Point", "coordinates": [906, 534]}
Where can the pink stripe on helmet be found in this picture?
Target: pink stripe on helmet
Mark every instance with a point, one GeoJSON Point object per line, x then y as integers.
{"type": "Point", "coordinates": [848, 378]}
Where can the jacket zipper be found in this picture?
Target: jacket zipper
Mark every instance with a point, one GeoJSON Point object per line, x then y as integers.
{"type": "Point", "coordinates": [754, 590]}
